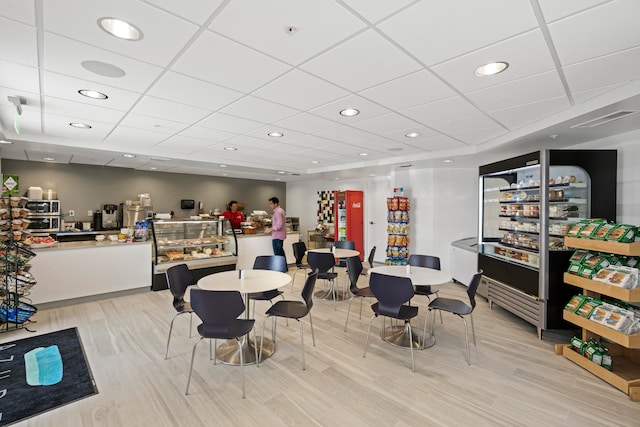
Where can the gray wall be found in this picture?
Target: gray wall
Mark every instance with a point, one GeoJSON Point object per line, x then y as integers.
{"type": "Point", "coordinates": [83, 187]}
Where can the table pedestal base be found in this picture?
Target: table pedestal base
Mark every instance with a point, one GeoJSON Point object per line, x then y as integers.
{"type": "Point", "coordinates": [340, 295]}
{"type": "Point", "coordinates": [229, 353]}
{"type": "Point", "coordinates": [399, 335]}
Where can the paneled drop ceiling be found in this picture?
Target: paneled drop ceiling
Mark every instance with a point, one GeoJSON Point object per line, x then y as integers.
{"type": "Point", "coordinates": [210, 79]}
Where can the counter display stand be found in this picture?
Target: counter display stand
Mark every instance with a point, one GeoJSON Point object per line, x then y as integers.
{"type": "Point", "coordinates": [527, 205]}
{"type": "Point", "coordinates": [397, 230]}
{"type": "Point", "coordinates": [624, 349]}
{"type": "Point", "coordinates": [16, 281]}
{"type": "Point", "coordinates": [207, 246]}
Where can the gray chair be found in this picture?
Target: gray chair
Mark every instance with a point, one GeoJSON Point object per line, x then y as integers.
{"type": "Point", "coordinates": [354, 271]}
{"type": "Point", "coordinates": [219, 311]}
{"type": "Point", "coordinates": [392, 292]}
{"type": "Point", "coordinates": [324, 262]}
{"type": "Point", "coordinates": [372, 253]}
{"type": "Point", "coordinates": [299, 250]}
{"type": "Point", "coordinates": [268, 262]}
{"type": "Point", "coordinates": [460, 309]}
{"type": "Point", "coordinates": [293, 310]}
{"type": "Point", "coordinates": [179, 278]}
{"type": "Point", "coordinates": [427, 261]}
{"type": "Point", "coordinates": [344, 244]}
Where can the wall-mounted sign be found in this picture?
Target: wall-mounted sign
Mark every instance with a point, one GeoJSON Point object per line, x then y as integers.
{"type": "Point", "coordinates": [10, 184]}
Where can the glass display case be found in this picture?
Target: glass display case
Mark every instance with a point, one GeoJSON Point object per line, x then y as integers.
{"type": "Point", "coordinates": [206, 246]}
{"type": "Point", "coordinates": [527, 206]}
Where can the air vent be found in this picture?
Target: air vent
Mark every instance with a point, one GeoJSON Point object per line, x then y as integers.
{"type": "Point", "coordinates": [405, 166]}
{"type": "Point", "coordinates": [604, 119]}
{"type": "Point", "coordinates": [159, 159]}
{"type": "Point", "coordinates": [295, 174]}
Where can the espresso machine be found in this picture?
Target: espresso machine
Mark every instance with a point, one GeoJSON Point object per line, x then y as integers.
{"type": "Point", "coordinates": [110, 217]}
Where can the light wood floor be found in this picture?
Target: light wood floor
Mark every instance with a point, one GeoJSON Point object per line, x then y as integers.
{"type": "Point", "coordinates": [514, 379]}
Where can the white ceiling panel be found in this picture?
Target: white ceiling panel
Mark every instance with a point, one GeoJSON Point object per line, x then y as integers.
{"type": "Point", "coordinates": [300, 90]}
{"type": "Point", "coordinates": [602, 30]}
{"type": "Point", "coordinates": [211, 74]}
{"type": "Point", "coordinates": [353, 66]}
{"type": "Point", "coordinates": [158, 45]}
{"type": "Point", "coordinates": [527, 54]}
{"type": "Point", "coordinates": [70, 54]}
{"type": "Point", "coordinates": [518, 92]}
{"type": "Point", "coordinates": [319, 24]}
{"type": "Point", "coordinates": [227, 63]}
{"type": "Point", "coordinates": [415, 89]}
{"type": "Point", "coordinates": [17, 41]}
{"type": "Point", "coordinates": [466, 25]}
{"type": "Point", "coordinates": [188, 90]}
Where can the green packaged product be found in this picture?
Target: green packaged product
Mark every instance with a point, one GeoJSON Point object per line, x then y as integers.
{"type": "Point", "coordinates": [607, 361]}
{"type": "Point", "coordinates": [580, 255]}
{"type": "Point", "coordinates": [602, 231]}
{"type": "Point", "coordinates": [577, 345]}
{"type": "Point", "coordinates": [623, 233]}
{"type": "Point", "coordinates": [591, 228]}
{"type": "Point", "coordinates": [574, 231]}
{"type": "Point", "coordinates": [574, 268]}
{"type": "Point", "coordinates": [587, 307]}
{"type": "Point", "coordinates": [587, 271]}
{"type": "Point", "coordinates": [575, 302]}
{"type": "Point", "coordinates": [596, 262]}
{"type": "Point", "coordinates": [630, 261]}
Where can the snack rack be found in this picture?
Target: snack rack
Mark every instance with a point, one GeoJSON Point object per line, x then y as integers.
{"type": "Point", "coordinates": [15, 254]}
{"type": "Point", "coordinates": [624, 349]}
{"type": "Point", "coordinates": [398, 208]}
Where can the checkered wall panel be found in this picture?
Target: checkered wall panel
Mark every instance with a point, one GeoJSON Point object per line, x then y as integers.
{"type": "Point", "coordinates": [325, 206]}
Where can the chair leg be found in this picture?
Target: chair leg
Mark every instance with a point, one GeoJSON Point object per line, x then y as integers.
{"type": "Point", "coordinates": [262, 340]}
{"type": "Point", "coordinates": [302, 344]}
{"type": "Point", "coordinates": [190, 323]}
{"type": "Point", "coordinates": [366, 342]}
{"type": "Point", "coordinates": [361, 301]}
{"type": "Point", "coordinates": [193, 355]}
{"type": "Point", "coordinates": [466, 340]}
{"type": "Point", "coordinates": [473, 329]}
{"type": "Point", "coordinates": [335, 296]}
{"type": "Point", "coordinates": [166, 353]}
{"type": "Point", "coordinates": [313, 337]}
{"type": "Point", "coordinates": [348, 312]}
{"type": "Point", "coordinates": [241, 366]}
{"type": "Point", "coordinates": [413, 364]}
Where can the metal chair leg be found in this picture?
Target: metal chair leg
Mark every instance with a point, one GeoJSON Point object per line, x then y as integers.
{"type": "Point", "coordinates": [473, 329]}
{"type": "Point", "coordinates": [193, 355]}
{"type": "Point", "coordinates": [413, 364]}
{"type": "Point", "coordinates": [348, 312]}
{"type": "Point", "coordinates": [302, 344]}
{"type": "Point", "coordinates": [166, 353]}
{"type": "Point", "coordinates": [466, 340]}
{"type": "Point", "coordinates": [241, 366]}
{"type": "Point", "coordinates": [366, 343]}
{"type": "Point", "coordinates": [313, 337]}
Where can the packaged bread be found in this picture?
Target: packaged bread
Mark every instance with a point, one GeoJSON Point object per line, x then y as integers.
{"type": "Point", "coordinates": [620, 320]}
{"type": "Point", "coordinates": [580, 255]}
{"type": "Point", "coordinates": [589, 230]}
{"type": "Point", "coordinates": [587, 271]}
{"type": "Point", "coordinates": [596, 262]}
{"type": "Point", "coordinates": [623, 277]}
{"type": "Point", "coordinates": [623, 233]}
{"type": "Point", "coordinates": [603, 275]}
{"type": "Point", "coordinates": [587, 307]}
{"type": "Point", "coordinates": [575, 302]}
{"type": "Point", "coordinates": [602, 231]}
{"type": "Point", "coordinates": [574, 231]}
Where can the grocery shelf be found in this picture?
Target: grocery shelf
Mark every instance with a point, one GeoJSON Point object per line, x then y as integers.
{"type": "Point", "coordinates": [628, 295]}
{"type": "Point", "coordinates": [628, 341]}
{"type": "Point", "coordinates": [629, 249]}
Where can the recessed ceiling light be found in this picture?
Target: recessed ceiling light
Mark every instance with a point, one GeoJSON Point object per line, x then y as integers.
{"type": "Point", "coordinates": [349, 112]}
{"type": "Point", "coordinates": [336, 178]}
{"type": "Point", "coordinates": [491, 69]}
{"type": "Point", "coordinates": [315, 162]}
{"type": "Point", "coordinates": [554, 136]}
{"type": "Point", "coordinates": [278, 179]}
{"type": "Point", "coordinates": [281, 172]}
{"type": "Point", "coordinates": [231, 148]}
{"type": "Point", "coordinates": [225, 174]}
{"type": "Point", "coordinates": [275, 134]}
{"type": "Point", "coordinates": [412, 135]}
{"type": "Point", "coordinates": [222, 166]}
{"type": "Point", "coordinates": [363, 154]}
{"type": "Point", "coordinates": [49, 159]}
{"type": "Point", "coordinates": [129, 156]}
{"type": "Point", "coordinates": [4, 141]}
{"type": "Point", "coordinates": [153, 168]}
{"type": "Point", "coordinates": [447, 161]}
{"type": "Point", "coordinates": [119, 28]}
{"type": "Point", "coordinates": [372, 174]}
{"type": "Point", "coordinates": [92, 94]}
{"type": "Point", "coordinates": [80, 125]}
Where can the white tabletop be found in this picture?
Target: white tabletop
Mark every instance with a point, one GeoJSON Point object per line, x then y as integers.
{"type": "Point", "coordinates": [252, 281]}
{"type": "Point", "coordinates": [420, 276]}
{"type": "Point", "coordinates": [338, 252]}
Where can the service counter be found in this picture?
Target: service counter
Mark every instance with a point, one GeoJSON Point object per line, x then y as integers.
{"type": "Point", "coordinates": [252, 245]}
{"type": "Point", "coordinates": [72, 270]}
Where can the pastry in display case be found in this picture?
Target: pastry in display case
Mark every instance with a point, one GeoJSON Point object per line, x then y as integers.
{"type": "Point", "coordinates": [205, 245]}
{"type": "Point", "coordinates": [528, 204]}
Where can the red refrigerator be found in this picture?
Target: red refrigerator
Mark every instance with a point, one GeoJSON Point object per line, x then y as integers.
{"type": "Point", "coordinates": [349, 218]}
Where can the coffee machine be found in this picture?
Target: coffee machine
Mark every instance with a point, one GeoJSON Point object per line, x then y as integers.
{"type": "Point", "coordinates": [110, 217]}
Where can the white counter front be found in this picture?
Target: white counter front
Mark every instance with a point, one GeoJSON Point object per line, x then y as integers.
{"type": "Point", "coordinates": [252, 245]}
{"type": "Point", "coordinates": [82, 269]}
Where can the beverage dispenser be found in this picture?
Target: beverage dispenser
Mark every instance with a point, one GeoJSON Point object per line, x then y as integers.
{"type": "Point", "coordinates": [110, 217]}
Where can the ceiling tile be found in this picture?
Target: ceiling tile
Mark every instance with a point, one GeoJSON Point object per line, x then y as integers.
{"type": "Point", "coordinates": [19, 80]}
{"type": "Point", "coordinates": [19, 10]}
{"type": "Point", "coordinates": [352, 66]}
{"type": "Point", "coordinates": [305, 122]}
{"type": "Point", "coordinates": [320, 25]}
{"type": "Point", "coordinates": [435, 31]}
{"type": "Point", "coordinates": [472, 129]}
{"type": "Point", "coordinates": [520, 115]}
{"type": "Point", "coordinates": [438, 111]}
{"type": "Point", "coordinates": [620, 67]}
{"type": "Point", "coordinates": [86, 113]}
{"type": "Point", "coordinates": [227, 123]}
{"type": "Point", "coordinates": [197, 11]}
{"type": "Point", "coordinates": [58, 126]}
{"type": "Point", "coordinates": [599, 31]}
{"type": "Point", "coordinates": [391, 122]}
{"type": "Point", "coordinates": [207, 134]}
{"type": "Point", "coordinates": [181, 145]}
{"type": "Point", "coordinates": [153, 124]}
{"type": "Point", "coordinates": [224, 62]}
{"type": "Point", "coordinates": [188, 90]}
{"type": "Point", "coordinates": [554, 9]}
{"type": "Point", "coordinates": [161, 108]}
{"type": "Point", "coordinates": [300, 90]}
{"type": "Point", "coordinates": [23, 40]}
{"type": "Point", "coordinates": [375, 10]}
{"type": "Point", "coordinates": [259, 110]}
{"type": "Point", "coordinates": [126, 138]}
{"type": "Point", "coordinates": [368, 110]}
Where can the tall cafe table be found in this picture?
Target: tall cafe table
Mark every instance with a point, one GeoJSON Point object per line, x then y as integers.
{"type": "Point", "coordinates": [337, 253]}
{"type": "Point", "coordinates": [251, 281]}
{"type": "Point", "coordinates": [421, 276]}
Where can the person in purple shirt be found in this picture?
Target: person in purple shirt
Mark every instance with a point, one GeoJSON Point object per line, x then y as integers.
{"type": "Point", "coordinates": [278, 228]}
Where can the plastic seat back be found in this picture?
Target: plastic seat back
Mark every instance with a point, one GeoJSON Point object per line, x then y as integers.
{"type": "Point", "coordinates": [307, 290]}
{"type": "Point", "coordinates": [299, 249]}
{"type": "Point", "coordinates": [426, 261]}
{"type": "Point", "coordinates": [271, 262]}
{"type": "Point", "coordinates": [391, 292]}
{"type": "Point", "coordinates": [323, 262]}
{"type": "Point", "coordinates": [354, 269]}
{"type": "Point", "coordinates": [216, 308]}
{"type": "Point", "coordinates": [178, 278]}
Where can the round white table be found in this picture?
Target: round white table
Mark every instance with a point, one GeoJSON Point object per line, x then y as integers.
{"type": "Point", "coordinates": [337, 253]}
{"type": "Point", "coordinates": [251, 281]}
{"type": "Point", "coordinates": [420, 276]}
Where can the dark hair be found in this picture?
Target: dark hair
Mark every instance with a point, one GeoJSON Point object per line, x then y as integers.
{"type": "Point", "coordinates": [231, 203]}
{"type": "Point", "coordinates": [274, 200]}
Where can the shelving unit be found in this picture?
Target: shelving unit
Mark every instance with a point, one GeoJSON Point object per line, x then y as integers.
{"type": "Point", "coordinates": [398, 230]}
{"type": "Point", "coordinates": [15, 281]}
{"type": "Point", "coordinates": [624, 349]}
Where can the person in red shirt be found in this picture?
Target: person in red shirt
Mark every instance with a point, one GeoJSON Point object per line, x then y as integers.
{"type": "Point", "coordinates": [233, 214]}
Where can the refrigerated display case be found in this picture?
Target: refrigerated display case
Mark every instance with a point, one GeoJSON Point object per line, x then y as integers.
{"type": "Point", "coordinates": [349, 218]}
{"type": "Point", "coordinates": [527, 205]}
{"type": "Point", "coordinates": [207, 246]}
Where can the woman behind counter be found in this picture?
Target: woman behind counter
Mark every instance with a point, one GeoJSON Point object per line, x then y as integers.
{"type": "Point", "coordinates": [233, 214]}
